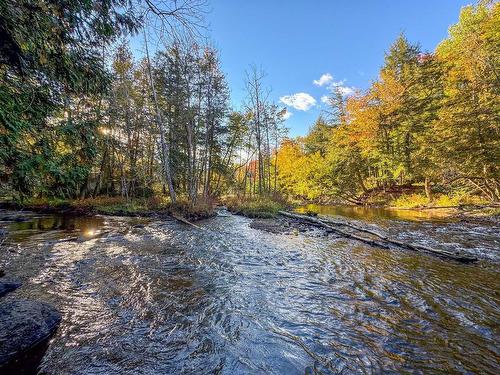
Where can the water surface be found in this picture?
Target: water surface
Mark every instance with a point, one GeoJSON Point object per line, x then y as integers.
{"type": "Point", "coordinates": [161, 297]}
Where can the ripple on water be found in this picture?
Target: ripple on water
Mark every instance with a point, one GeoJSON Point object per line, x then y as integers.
{"type": "Point", "coordinates": [167, 298]}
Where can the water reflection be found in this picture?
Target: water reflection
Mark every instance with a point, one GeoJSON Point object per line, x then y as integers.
{"type": "Point", "coordinates": [377, 213]}
{"type": "Point", "coordinates": [87, 226]}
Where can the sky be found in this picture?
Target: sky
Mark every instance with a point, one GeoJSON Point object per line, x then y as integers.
{"type": "Point", "coordinates": [305, 46]}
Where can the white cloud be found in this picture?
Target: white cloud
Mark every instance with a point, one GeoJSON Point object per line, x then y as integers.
{"type": "Point", "coordinates": [323, 80]}
{"type": "Point", "coordinates": [325, 99]}
{"type": "Point", "coordinates": [300, 101]}
{"type": "Point", "coordinates": [344, 90]}
{"type": "Point", "coordinates": [286, 115]}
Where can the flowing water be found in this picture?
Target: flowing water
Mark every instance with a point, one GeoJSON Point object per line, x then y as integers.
{"type": "Point", "coordinates": [160, 297]}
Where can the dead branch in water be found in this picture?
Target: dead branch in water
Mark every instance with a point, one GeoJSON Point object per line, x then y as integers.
{"type": "Point", "coordinates": [386, 242]}
{"type": "Point", "coordinates": [185, 221]}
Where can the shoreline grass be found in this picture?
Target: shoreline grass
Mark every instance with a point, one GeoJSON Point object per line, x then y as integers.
{"type": "Point", "coordinates": [255, 207]}
{"type": "Point", "coordinates": [420, 201]}
{"type": "Point", "coordinates": [116, 206]}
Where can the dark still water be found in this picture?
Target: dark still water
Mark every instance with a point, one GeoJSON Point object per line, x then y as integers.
{"type": "Point", "coordinates": [164, 298]}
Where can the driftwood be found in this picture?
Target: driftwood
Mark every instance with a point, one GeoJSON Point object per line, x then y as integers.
{"type": "Point", "coordinates": [185, 221]}
{"type": "Point", "coordinates": [320, 223]}
{"type": "Point", "coordinates": [352, 226]}
{"type": "Point", "coordinates": [385, 241]}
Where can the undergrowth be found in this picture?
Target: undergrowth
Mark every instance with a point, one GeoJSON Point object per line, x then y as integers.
{"type": "Point", "coordinates": [255, 207]}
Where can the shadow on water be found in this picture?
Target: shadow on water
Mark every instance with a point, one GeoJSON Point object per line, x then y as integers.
{"type": "Point", "coordinates": [165, 298]}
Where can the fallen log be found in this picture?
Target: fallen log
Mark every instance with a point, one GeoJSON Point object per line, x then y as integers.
{"type": "Point", "coordinates": [360, 229]}
{"type": "Point", "coordinates": [320, 223]}
{"type": "Point", "coordinates": [386, 242]}
{"type": "Point", "coordinates": [185, 221]}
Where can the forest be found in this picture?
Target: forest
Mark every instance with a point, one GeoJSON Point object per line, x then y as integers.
{"type": "Point", "coordinates": [429, 125]}
{"type": "Point", "coordinates": [82, 117]}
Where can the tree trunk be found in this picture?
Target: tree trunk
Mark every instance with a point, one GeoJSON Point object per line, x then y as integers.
{"type": "Point", "coordinates": [427, 186]}
{"type": "Point", "coordinates": [165, 147]}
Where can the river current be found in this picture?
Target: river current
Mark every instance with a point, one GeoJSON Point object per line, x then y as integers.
{"type": "Point", "coordinates": [142, 296]}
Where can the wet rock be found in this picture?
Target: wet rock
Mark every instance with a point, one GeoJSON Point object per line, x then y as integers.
{"type": "Point", "coordinates": [8, 286]}
{"type": "Point", "coordinates": [281, 226]}
{"type": "Point", "coordinates": [269, 225]}
{"type": "Point", "coordinates": [139, 226]}
{"type": "Point", "coordinates": [25, 330]}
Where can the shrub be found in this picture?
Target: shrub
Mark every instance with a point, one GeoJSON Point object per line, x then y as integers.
{"type": "Point", "coordinates": [257, 207]}
{"type": "Point", "coordinates": [203, 208]}
{"type": "Point", "coordinates": [459, 197]}
{"type": "Point", "coordinates": [410, 201]}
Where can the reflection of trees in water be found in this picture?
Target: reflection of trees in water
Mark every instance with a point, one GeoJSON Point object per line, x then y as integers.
{"type": "Point", "coordinates": [375, 213]}
{"type": "Point", "coordinates": [63, 222]}
{"type": "Point", "coordinates": [399, 304]}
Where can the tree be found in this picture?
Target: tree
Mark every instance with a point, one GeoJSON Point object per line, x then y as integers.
{"type": "Point", "coordinates": [54, 81]}
{"type": "Point", "coordinates": [468, 128]}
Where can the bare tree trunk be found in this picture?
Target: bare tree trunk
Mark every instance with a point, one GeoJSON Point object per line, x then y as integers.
{"type": "Point", "coordinates": [165, 147]}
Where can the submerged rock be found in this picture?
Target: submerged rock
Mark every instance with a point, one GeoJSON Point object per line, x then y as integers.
{"type": "Point", "coordinates": [25, 330]}
{"type": "Point", "coordinates": [8, 286]}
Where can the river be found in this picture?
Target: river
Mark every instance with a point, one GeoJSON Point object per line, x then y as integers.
{"type": "Point", "coordinates": [141, 296]}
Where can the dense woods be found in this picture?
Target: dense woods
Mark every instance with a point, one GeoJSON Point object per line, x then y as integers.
{"type": "Point", "coordinates": [81, 116]}
{"type": "Point", "coordinates": [430, 122]}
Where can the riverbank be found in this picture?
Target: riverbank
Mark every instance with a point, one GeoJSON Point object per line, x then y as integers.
{"type": "Point", "coordinates": [116, 206]}
{"type": "Point", "coordinates": [256, 207]}
{"type": "Point", "coordinates": [252, 207]}
{"type": "Point", "coordinates": [410, 197]}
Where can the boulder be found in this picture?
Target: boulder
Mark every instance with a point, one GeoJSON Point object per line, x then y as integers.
{"type": "Point", "coordinates": [25, 330]}
{"type": "Point", "coordinates": [8, 286]}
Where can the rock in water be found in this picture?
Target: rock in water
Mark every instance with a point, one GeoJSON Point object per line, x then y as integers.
{"type": "Point", "coordinates": [25, 330]}
{"type": "Point", "coordinates": [8, 286]}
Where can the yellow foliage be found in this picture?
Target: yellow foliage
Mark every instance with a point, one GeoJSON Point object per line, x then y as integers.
{"type": "Point", "coordinates": [410, 201]}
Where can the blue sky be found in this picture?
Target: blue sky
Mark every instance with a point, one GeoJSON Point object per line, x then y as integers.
{"type": "Point", "coordinates": [297, 41]}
